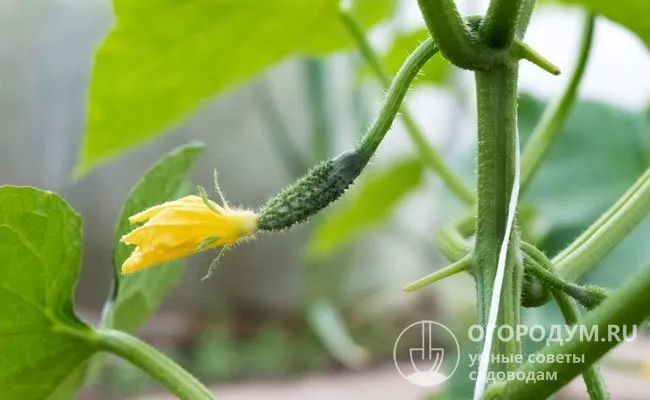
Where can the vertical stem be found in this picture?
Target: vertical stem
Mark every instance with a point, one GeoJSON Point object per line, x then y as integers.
{"type": "Point", "coordinates": [496, 92]}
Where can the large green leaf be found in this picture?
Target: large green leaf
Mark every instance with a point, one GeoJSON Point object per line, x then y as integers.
{"type": "Point", "coordinates": [632, 14]}
{"type": "Point", "coordinates": [599, 154]}
{"type": "Point", "coordinates": [597, 157]}
{"type": "Point", "coordinates": [136, 295]}
{"type": "Point", "coordinates": [42, 342]}
{"type": "Point", "coordinates": [164, 58]}
{"type": "Point", "coordinates": [366, 206]}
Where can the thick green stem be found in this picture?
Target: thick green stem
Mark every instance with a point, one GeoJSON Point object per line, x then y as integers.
{"type": "Point", "coordinates": [593, 380]}
{"type": "Point", "coordinates": [157, 365]}
{"type": "Point", "coordinates": [496, 92]}
{"type": "Point", "coordinates": [500, 23]}
{"type": "Point", "coordinates": [551, 122]}
{"type": "Point", "coordinates": [607, 232]}
{"type": "Point", "coordinates": [428, 154]}
{"type": "Point", "coordinates": [600, 331]}
{"type": "Point", "coordinates": [454, 37]}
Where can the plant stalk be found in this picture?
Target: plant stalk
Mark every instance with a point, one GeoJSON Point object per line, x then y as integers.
{"type": "Point", "coordinates": [429, 155]}
{"type": "Point", "coordinates": [453, 36]}
{"type": "Point", "coordinates": [395, 96]}
{"type": "Point", "coordinates": [157, 365]}
{"type": "Point", "coordinates": [496, 92]}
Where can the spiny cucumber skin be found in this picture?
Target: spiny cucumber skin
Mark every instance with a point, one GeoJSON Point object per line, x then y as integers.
{"type": "Point", "coordinates": [317, 189]}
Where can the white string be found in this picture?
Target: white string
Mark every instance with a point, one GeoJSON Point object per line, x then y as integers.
{"type": "Point", "coordinates": [484, 361]}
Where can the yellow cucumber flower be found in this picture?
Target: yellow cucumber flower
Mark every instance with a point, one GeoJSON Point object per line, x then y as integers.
{"type": "Point", "coordinates": [182, 227]}
{"type": "Point", "coordinates": [194, 223]}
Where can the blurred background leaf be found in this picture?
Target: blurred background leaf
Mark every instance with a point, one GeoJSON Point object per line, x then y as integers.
{"type": "Point", "coordinates": [598, 155]}
{"type": "Point", "coordinates": [196, 49]}
{"type": "Point", "coordinates": [632, 14]}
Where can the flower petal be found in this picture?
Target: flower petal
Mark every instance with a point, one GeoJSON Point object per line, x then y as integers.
{"type": "Point", "coordinates": [139, 260]}
{"type": "Point", "coordinates": [191, 202]}
{"type": "Point", "coordinates": [178, 228]}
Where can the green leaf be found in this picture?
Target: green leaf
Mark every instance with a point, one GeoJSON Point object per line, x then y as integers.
{"type": "Point", "coordinates": [435, 71]}
{"type": "Point", "coordinates": [366, 206]}
{"type": "Point", "coordinates": [137, 295]}
{"type": "Point", "coordinates": [75, 380]}
{"type": "Point", "coordinates": [42, 342]}
{"type": "Point", "coordinates": [164, 58]}
{"type": "Point", "coordinates": [599, 154]}
{"type": "Point", "coordinates": [597, 157]}
{"type": "Point", "coordinates": [632, 14]}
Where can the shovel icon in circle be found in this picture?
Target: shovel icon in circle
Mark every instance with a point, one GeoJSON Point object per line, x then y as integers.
{"type": "Point", "coordinates": [423, 356]}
